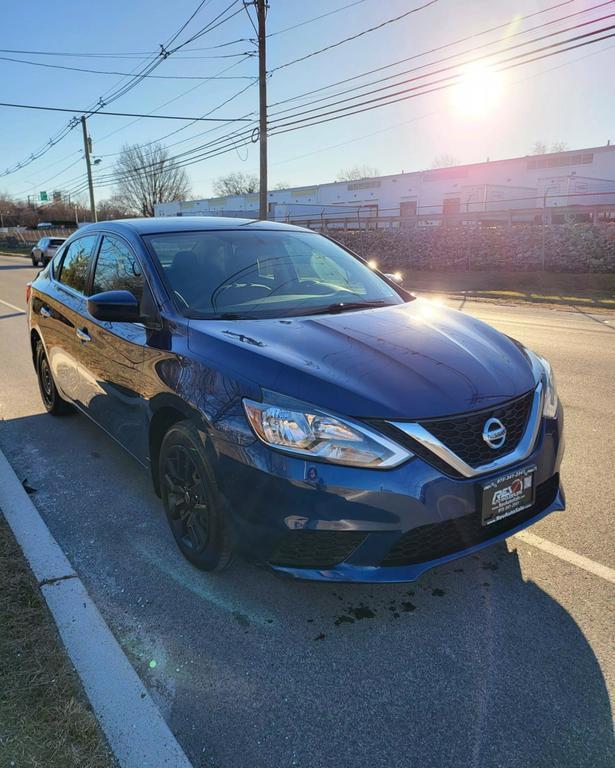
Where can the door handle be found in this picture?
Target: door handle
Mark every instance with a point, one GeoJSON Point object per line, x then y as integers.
{"type": "Point", "coordinates": [83, 335]}
{"type": "Point", "coordinates": [45, 313]}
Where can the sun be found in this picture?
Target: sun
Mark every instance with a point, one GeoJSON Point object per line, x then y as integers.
{"type": "Point", "coordinates": [478, 92]}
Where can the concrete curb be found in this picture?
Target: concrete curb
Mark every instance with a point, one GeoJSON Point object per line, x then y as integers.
{"type": "Point", "coordinates": [133, 725]}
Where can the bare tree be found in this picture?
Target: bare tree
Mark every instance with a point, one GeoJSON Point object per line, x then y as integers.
{"type": "Point", "coordinates": [542, 148]}
{"type": "Point", "coordinates": [357, 172]}
{"type": "Point", "coordinates": [236, 184]}
{"type": "Point", "coordinates": [9, 211]}
{"type": "Point", "coordinates": [539, 148]}
{"type": "Point", "coordinates": [559, 146]}
{"type": "Point", "coordinates": [146, 176]}
{"type": "Point", "coordinates": [280, 185]}
{"type": "Point", "coordinates": [444, 160]}
{"type": "Point", "coordinates": [112, 208]}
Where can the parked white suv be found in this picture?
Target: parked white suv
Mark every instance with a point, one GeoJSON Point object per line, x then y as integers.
{"type": "Point", "coordinates": [45, 250]}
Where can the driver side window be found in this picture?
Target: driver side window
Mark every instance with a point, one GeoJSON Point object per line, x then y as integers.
{"type": "Point", "coordinates": [117, 269]}
{"type": "Point", "coordinates": [76, 263]}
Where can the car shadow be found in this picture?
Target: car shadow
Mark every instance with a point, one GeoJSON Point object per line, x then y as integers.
{"type": "Point", "coordinates": [603, 322]}
{"type": "Point", "coordinates": [473, 665]}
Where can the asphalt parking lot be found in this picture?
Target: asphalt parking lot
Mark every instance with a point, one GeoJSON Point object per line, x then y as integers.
{"type": "Point", "coordinates": [506, 659]}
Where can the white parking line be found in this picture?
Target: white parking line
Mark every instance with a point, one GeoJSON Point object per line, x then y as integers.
{"type": "Point", "coordinates": [567, 555]}
{"type": "Point", "coordinates": [12, 306]}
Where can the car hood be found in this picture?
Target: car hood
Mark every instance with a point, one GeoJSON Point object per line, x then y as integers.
{"type": "Point", "coordinates": [409, 361]}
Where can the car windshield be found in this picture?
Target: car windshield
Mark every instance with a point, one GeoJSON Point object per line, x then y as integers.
{"type": "Point", "coordinates": [266, 273]}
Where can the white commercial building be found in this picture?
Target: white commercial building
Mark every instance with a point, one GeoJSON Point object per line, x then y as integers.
{"type": "Point", "coordinates": [562, 179]}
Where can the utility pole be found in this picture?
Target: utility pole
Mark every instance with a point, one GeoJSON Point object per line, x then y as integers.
{"type": "Point", "coordinates": [86, 151]}
{"type": "Point", "coordinates": [261, 10]}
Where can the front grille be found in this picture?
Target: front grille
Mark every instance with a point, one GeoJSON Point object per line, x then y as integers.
{"type": "Point", "coordinates": [464, 434]}
{"type": "Point", "coordinates": [315, 549]}
{"type": "Point", "coordinates": [428, 542]}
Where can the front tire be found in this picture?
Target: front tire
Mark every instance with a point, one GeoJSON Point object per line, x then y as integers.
{"type": "Point", "coordinates": [193, 504]}
{"type": "Point", "coordinates": [53, 402]}
{"type": "Point", "coordinates": [34, 261]}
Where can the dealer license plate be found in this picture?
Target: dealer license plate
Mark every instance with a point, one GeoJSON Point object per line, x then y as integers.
{"type": "Point", "coordinates": [507, 495]}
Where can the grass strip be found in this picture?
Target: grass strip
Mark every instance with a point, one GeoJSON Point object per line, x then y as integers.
{"type": "Point", "coordinates": [45, 718]}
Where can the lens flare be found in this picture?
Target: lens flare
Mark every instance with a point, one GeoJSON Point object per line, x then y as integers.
{"type": "Point", "coordinates": [478, 92]}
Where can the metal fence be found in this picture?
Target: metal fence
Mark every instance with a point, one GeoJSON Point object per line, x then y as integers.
{"type": "Point", "coordinates": [363, 221]}
{"type": "Point", "coordinates": [26, 238]}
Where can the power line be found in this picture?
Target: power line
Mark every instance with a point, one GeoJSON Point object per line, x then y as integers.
{"type": "Point", "coordinates": [225, 144]}
{"type": "Point", "coordinates": [212, 24]}
{"type": "Point", "coordinates": [178, 130]}
{"type": "Point", "coordinates": [215, 147]}
{"type": "Point", "coordinates": [408, 93]}
{"type": "Point", "coordinates": [171, 101]}
{"type": "Point", "coordinates": [354, 37]}
{"type": "Point", "coordinates": [126, 114]}
{"type": "Point", "coordinates": [467, 62]}
{"type": "Point", "coordinates": [435, 112]}
{"type": "Point", "coordinates": [188, 20]}
{"type": "Point", "coordinates": [51, 178]}
{"type": "Point", "coordinates": [122, 55]}
{"type": "Point", "coordinates": [315, 18]}
{"type": "Point", "coordinates": [452, 44]}
{"type": "Point", "coordinates": [127, 74]}
{"type": "Point", "coordinates": [109, 180]}
{"type": "Point", "coordinates": [112, 95]}
{"type": "Point", "coordinates": [500, 26]}
{"type": "Point", "coordinates": [230, 142]}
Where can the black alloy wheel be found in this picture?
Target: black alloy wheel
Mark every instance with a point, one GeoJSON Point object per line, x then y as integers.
{"type": "Point", "coordinates": [52, 400]}
{"type": "Point", "coordinates": [192, 500]}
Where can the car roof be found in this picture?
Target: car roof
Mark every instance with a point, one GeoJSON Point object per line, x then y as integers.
{"type": "Point", "coordinates": [168, 224]}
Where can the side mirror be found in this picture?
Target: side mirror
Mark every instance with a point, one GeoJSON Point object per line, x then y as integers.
{"type": "Point", "coordinates": [114, 307]}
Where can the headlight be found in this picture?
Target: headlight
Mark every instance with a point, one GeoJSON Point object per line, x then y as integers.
{"type": "Point", "coordinates": [307, 431]}
{"type": "Point", "coordinates": [549, 409]}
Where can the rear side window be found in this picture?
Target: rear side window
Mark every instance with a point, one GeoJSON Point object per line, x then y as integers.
{"type": "Point", "coordinates": [76, 263]}
{"type": "Point", "coordinates": [56, 241]}
{"type": "Point", "coordinates": [117, 268]}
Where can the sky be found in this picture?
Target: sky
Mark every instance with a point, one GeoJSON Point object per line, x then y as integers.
{"type": "Point", "coordinates": [566, 98]}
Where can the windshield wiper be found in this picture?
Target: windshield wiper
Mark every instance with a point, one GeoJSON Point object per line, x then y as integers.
{"type": "Point", "coordinates": [345, 306]}
{"type": "Point", "coordinates": [231, 316]}
{"type": "Point", "coordinates": [329, 309]}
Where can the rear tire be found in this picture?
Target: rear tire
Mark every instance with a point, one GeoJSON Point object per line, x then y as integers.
{"type": "Point", "coordinates": [34, 262]}
{"type": "Point", "coordinates": [52, 400]}
{"type": "Point", "coordinates": [192, 501]}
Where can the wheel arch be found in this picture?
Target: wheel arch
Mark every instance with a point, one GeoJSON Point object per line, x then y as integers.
{"type": "Point", "coordinates": [167, 410]}
{"type": "Point", "coordinates": [35, 337]}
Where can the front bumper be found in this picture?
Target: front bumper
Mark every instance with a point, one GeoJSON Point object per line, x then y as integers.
{"type": "Point", "coordinates": [324, 522]}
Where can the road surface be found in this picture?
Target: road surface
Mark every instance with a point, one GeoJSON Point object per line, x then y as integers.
{"type": "Point", "coordinates": [506, 659]}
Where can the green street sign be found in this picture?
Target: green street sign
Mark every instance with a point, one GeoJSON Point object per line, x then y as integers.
{"type": "Point", "coordinates": [42, 196]}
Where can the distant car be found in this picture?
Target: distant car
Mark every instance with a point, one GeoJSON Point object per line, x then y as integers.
{"type": "Point", "coordinates": [45, 250]}
{"type": "Point", "coordinates": [293, 404]}
{"type": "Point", "coordinates": [44, 225]}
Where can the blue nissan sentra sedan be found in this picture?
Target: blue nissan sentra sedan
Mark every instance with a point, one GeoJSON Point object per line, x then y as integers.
{"type": "Point", "coordinates": [291, 403]}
